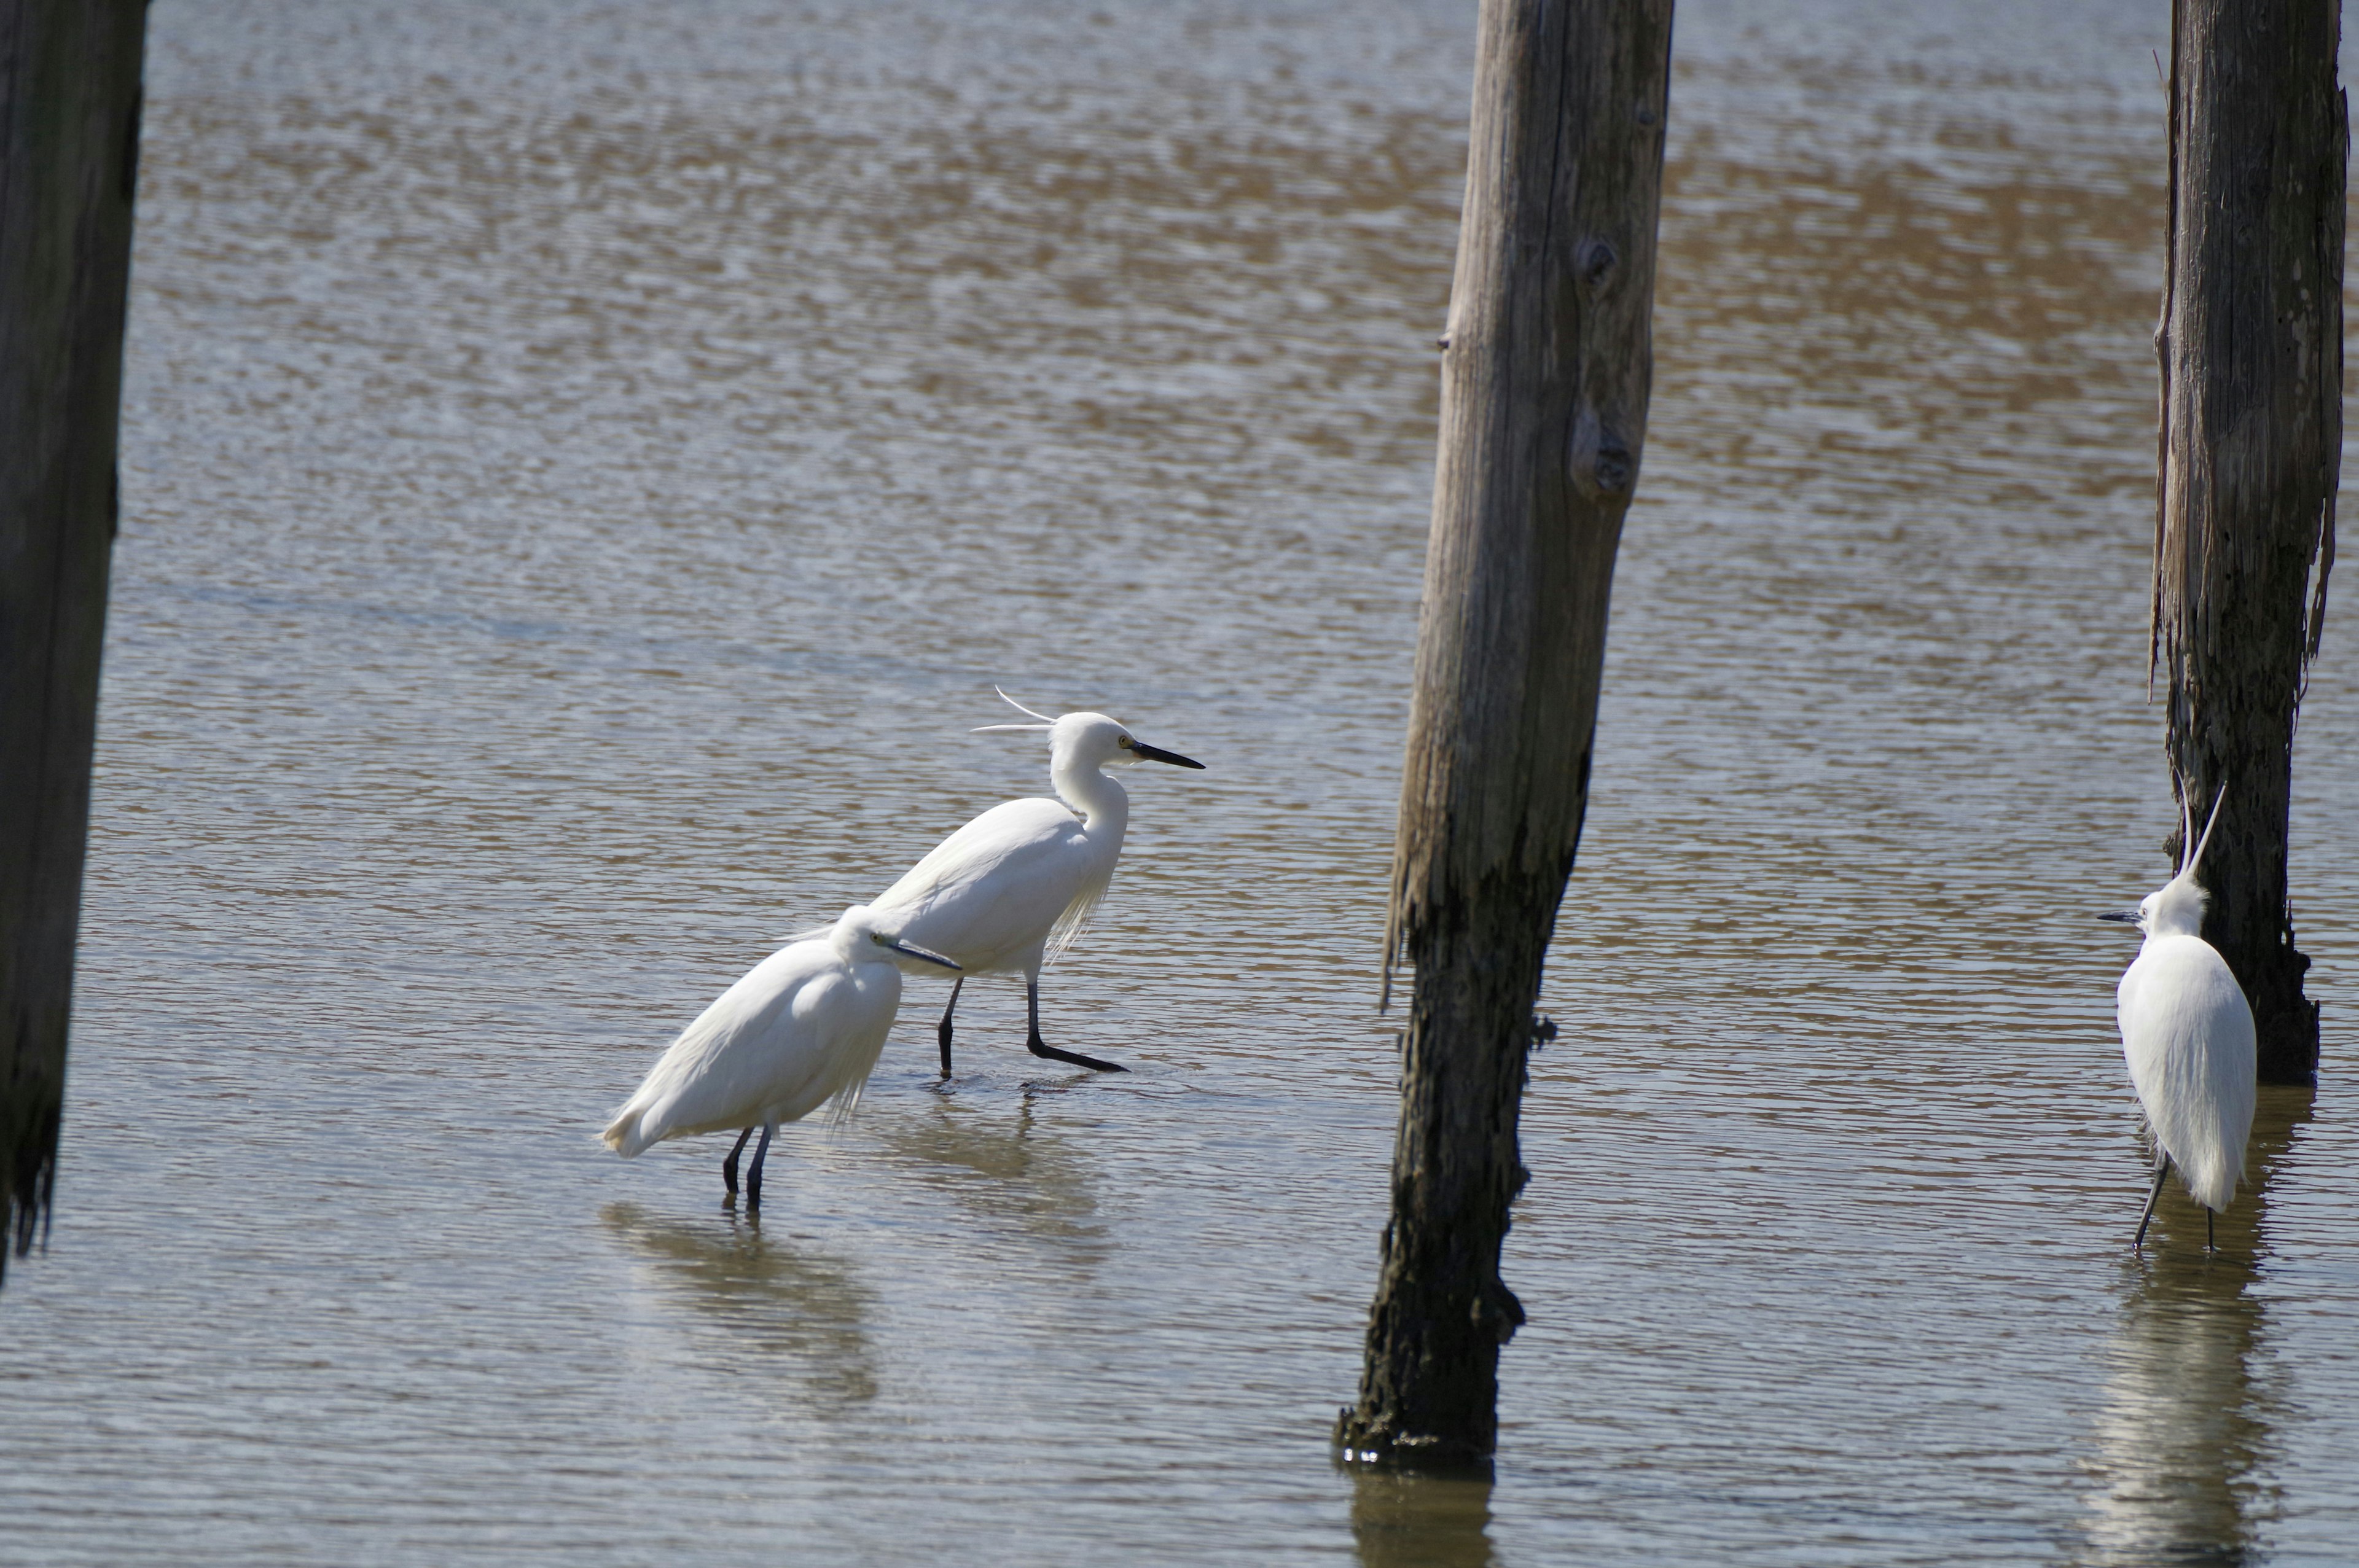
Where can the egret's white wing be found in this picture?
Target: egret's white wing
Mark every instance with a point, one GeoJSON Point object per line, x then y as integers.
{"type": "Point", "coordinates": [2186, 1034]}
{"type": "Point", "coordinates": [992, 893]}
{"type": "Point", "coordinates": [718, 1073]}
{"type": "Point", "coordinates": [795, 1030]}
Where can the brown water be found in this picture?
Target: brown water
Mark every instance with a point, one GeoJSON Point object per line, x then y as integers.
{"type": "Point", "coordinates": [585, 468]}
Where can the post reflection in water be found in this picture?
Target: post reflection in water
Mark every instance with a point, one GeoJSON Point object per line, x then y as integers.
{"type": "Point", "coordinates": [1404, 1520]}
{"type": "Point", "coordinates": [769, 1293]}
{"type": "Point", "coordinates": [2186, 1424]}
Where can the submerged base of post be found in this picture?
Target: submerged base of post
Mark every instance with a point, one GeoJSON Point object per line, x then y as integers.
{"type": "Point", "coordinates": [1429, 1389]}
{"type": "Point", "coordinates": [1369, 1437]}
{"type": "Point", "coordinates": [1429, 1385]}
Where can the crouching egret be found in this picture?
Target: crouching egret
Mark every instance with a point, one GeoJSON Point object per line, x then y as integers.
{"type": "Point", "coordinates": [1012, 889]}
{"type": "Point", "coordinates": [803, 1027]}
{"type": "Point", "coordinates": [2188, 1033]}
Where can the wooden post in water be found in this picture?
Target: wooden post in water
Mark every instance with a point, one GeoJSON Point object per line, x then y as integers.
{"type": "Point", "coordinates": [2251, 345]}
{"type": "Point", "coordinates": [69, 75]}
{"type": "Point", "coordinates": [1546, 369]}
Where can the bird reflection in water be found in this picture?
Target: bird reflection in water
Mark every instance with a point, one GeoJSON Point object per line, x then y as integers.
{"type": "Point", "coordinates": [2186, 1425]}
{"type": "Point", "coordinates": [1035, 1183]}
{"type": "Point", "coordinates": [807, 1310]}
{"type": "Point", "coordinates": [1401, 1519]}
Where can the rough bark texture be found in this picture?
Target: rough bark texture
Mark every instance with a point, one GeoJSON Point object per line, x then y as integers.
{"type": "Point", "coordinates": [69, 73]}
{"type": "Point", "coordinates": [2251, 345]}
{"type": "Point", "coordinates": [1546, 369]}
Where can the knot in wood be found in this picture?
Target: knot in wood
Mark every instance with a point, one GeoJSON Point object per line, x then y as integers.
{"type": "Point", "coordinates": [1614, 466]}
{"type": "Point", "coordinates": [1596, 263]}
{"type": "Point", "coordinates": [1598, 460]}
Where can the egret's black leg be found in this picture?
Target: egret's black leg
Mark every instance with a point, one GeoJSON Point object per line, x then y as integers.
{"type": "Point", "coordinates": [1039, 1047]}
{"type": "Point", "coordinates": [2162, 1169]}
{"type": "Point", "coordinates": [943, 1032]}
{"type": "Point", "coordinates": [754, 1176]}
{"type": "Point", "coordinates": [729, 1166]}
{"type": "Point", "coordinates": [2207, 1230]}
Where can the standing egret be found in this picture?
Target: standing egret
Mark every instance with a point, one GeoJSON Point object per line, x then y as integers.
{"type": "Point", "coordinates": [2188, 1033]}
{"type": "Point", "coordinates": [1011, 888]}
{"type": "Point", "coordinates": [803, 1026]}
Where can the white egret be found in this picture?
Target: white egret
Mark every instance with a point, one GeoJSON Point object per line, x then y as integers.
{"type": "Point", "coordinates": [2188, 1033]}
{"type": "Point", "coordinates": [802, 1027]}
{"type": "Point", "coordinates": [1012, 889]}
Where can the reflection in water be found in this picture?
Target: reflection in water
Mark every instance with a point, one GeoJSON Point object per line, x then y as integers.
{"type": "Point", "coordinates": [806, 1309]}
{"type": "Point", "coordinates": [1402, 1520]}
{"type": "Point", "coordinates": [2185, 1424]}
{"type": "Point", "coordinates": [1031, 1182]}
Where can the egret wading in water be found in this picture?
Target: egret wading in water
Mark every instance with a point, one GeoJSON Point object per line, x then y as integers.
{"type": "Point", "coordinates": [2188, 1033]}
{"type": "Point", "coordinates": [803, 1027]}
{"type": "Point", "coordinates": [1012, 889]}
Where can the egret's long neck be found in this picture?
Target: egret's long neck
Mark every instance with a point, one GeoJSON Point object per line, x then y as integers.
{"type": "Point", "coordinates": [1104, 805]}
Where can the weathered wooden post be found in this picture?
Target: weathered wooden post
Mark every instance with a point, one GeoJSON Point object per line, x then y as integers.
{"type": "Point", "coordinates": [69, 75]}
{"type": "Point", "coordinates": [2251, 345]}
{"type": "Point", "coordinates": [1546, 370]}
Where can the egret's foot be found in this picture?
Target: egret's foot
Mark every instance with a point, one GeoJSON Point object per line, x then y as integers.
{"type": "Point", "coordinates": [1039, 1047]}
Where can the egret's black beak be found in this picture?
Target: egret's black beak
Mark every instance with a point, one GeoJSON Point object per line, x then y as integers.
{"type": "Point", "coordinates": [926, 954]}
{"type": "Point", "coordinates": [2126, 916]}
{"type": "Point", "coordinates": [1148, 753]}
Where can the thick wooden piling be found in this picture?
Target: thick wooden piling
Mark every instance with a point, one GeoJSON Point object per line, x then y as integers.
{"type": "Point", "coordinates": [2251, 345]}
{"type": "Point", "coordinates": [69, 75]}
{"type": "Point", "coordinates": [1546, 371]}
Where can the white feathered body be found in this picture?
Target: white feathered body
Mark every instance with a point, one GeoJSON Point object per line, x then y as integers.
{"type": "Point", "coordinates": [1012, 888]}
{"type": "Point", "coordinates": [2188, 1033]}
{"type": "Point", "coordinates": [803, 1026]}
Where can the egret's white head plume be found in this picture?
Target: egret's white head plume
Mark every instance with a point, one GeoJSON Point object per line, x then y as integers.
{"type": "Point", "coordinates": [2190, 848]}
{"type": "Point", "coordinates": [1046, 723]}
{"type": "Point", "coordinates": [2176, 908]}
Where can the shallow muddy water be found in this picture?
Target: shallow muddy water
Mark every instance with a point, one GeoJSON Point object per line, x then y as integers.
{"type": "Point", "coordinates": [586, 467]}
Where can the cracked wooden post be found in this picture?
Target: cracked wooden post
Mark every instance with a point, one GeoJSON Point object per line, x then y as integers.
{"type": "Point", "coordinates": [1546, 370]}
{"type": "Point", "coordinates": [2251, 345]}
{"type": "Point", "coordinates": [70, 74]}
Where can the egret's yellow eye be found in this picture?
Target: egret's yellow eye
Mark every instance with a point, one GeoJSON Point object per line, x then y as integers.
{"type": "Point", "coordinates": [1122, 740]}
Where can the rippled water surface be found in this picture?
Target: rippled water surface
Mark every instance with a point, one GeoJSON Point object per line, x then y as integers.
{"type": "Point", "coordinates": [585, 468]}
